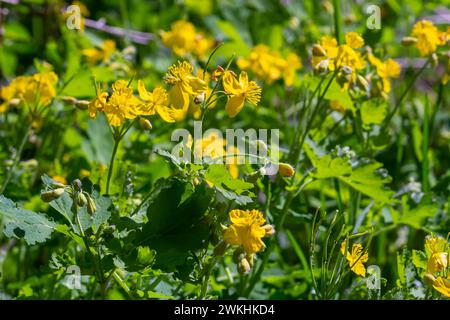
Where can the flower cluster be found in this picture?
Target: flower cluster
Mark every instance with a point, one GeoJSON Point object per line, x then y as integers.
{"type": "Point", "coordinates": [269, 65]}
{"type": "Point", "coordinates": [247, 229]}
{"type": "Point", "coordinates": [122, 104]}
{"type": "Point", "coordinates": [437, 272]}
{"type": "Point", "coordinates": [37, 90]}
{"type": "Point", "coordinates": [354, 69]}
{"type": "Point", "coordinates": [183, 39]}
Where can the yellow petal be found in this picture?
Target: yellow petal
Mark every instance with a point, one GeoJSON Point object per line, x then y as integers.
{"type": "Point", "coordinates": [234, 105]}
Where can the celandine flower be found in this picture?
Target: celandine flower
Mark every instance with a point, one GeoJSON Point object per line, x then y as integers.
{"type": "Point", "coordinates": [183, 39]}
{"type": "Point", "coordinates": [184, 85]}
{"type": "Point", "coordinates": [247, 230]}
{"type": "Point", "coordinates": [239, 92]}
{"type": "Point", "coordinates": [102, 54]}
{"type": "Point", "coordinates": [436, 249]}
{"type": "Point", "coordinates": [385, 70]}
{"type": "Point", "coordinates": [428, 37]}
{"type": "Point", "coordinates": [29, 90]}
{"type": "Point", "coordinates": [442, 286]}
{"type": "Point", "coordinates": [155, 102]}
{"type": "Point", "coordinates": [356, 258]}
{"type": "Point", "coordinates": [269, 65]}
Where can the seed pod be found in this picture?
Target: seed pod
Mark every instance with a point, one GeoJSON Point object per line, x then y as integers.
{"type": "Point", "coordinates": [82, 200]}
{"type": "Point", "coordinates": [69, 100]}
{"type": "Point", "coordinates": [91, 207]}
{"type": "Point", "coordinates": [318, 51]}
{"type": "Point", "coordinates": [286, 170]}
{"type": "Point", "coordinates": [145, 124]}
{"type": "Point", "coordinates": [244, 266]}
{"type": "Point", "coordinates": [407, 41]}
{"type": "Point", "coordinates": [270, 230]}
{"type": "Point", "coordinates": [220, 249]}
{"type": "Point", "coordinates": [51, 195]}
{"type": "Point", "coordinates": [82, 104]}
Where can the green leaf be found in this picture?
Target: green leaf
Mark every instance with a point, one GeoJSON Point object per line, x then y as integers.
{"type": "Point", "coordinates": [175, 226]}
{"type": "Point", "coordinates": [416, 217]}
{"type": "Point", "coordinates": [372, 113]}
{"type": "Point", "coordinates": [21, 223]}
{"type": "Point", "coordinates": [326, 167]}
{"type": "Point", "coordinates": [419, 259]}
{"type": "Point", "coordinates": [233, 189]}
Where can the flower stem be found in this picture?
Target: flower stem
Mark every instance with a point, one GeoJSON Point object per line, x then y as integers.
{"type": "Point", "coordinates": [111, 162]}
{"type": "Point", "coordinates": [16, 159]}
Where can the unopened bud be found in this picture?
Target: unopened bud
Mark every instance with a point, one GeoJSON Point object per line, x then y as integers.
{"type": "Point", "coordinates": [429, 279]}
{"type": "Point", "coordinates": [69, 100]}
{"type": "Point", "coordinates": [244, 266]}
{"type": "Point", "coordinates": [145, 124]}
{"type": "Point", "coordinates": [217, 73]}
{"type": "Point", "coordinates": [286, 170]}
{"type": "Point", "coordinates": [51, 195]}
{"type": "Point", "coordinates": [91, 207]}
{"type": "Point", "coordinates": [322, 67]}
{"type": "Point", "coordinates": [77, 184]}
{"type": "Point", "coordinates": [200, 98]}
{"type": "Point", "coordinates": [81, 200]}
{"type": "Point", "coordinates": [318, 51]}
{"type": "Point", "coordinates": [82, 104]}
{"type": "Point", "coordinates": [14, 102]}
{"type": "Point", "coordinates": [434, 60]}
{"type": "Point", "coordinates": [270, 230]}
{"type": "Point", "coordinates": [362, 83]}
{"type": "Point", "coordinates": [407, 41]}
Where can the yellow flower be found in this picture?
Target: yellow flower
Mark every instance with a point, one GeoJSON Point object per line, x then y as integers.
{"type": "Point", "coordinates": [239, 92]}
{"type": "Point", "coordinates": [183, 39]}
{"type": "Point", "coordinates": [356, 258]}
{"type": "Point", "coordinates": [354, 40]}
{"type": "Point", "coordinates": [385, 70]}
{"type": "Point", "coordinates": [184, 85]}
{"type": "Point", "coordinates": [442, 286]}
{"type": "Point", "coordinates": [122, 104]}
{"type": "Point", "coordinates": [155, 102]}
{"type": "Point", "coordinates": [436, 248]}
{"type": "Point", "coordinates": [60, 179]}
{"type": "Point", "coordinates": [93, 55]}
{"type": "Point", "coordinates": [30, 90]}
{"type": "Point", "coordinates": [268, 65]}
{"type": "Point", "coordinates": [327, 50]}
{"type": "Point", "coordinates": [428, 37]}
{"type": "Point", "coordinates": [246, 230]}
{"type": "Point", "coordinates": [98, 103]}
{"type": "Point", "coordinates": [195, 102]}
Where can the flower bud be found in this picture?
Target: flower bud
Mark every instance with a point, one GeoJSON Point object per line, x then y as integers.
{"type": "Point", "coordinates": [91, 207]}
{"type": "Point", "coordinates": [69, 100]}
{"type": "Point", "coordinates": [217, 73]}
{"type": "Point", "coordinates": [270, 230]}
{"type": "Point", "coordinates": [81, 200]}
{"type": "Point", "coordinates": [14, 102]}
{"type": "Point", "coordinates": [244, 266]}
{"type": "Point", "coordinates": [219, 250]}
{"type": "Point", "coordinates": [286, 170]}
{"type": "Point", "coordinates": [434, 60]}
{"type": "Point", "coordinates": [362, 83]}
{"type": "Point", "coordinates": [429, 279]}
{"type": "Point", "coordinates": [322, 67]}
{"type": "Point", "coordinates": [145, 124]}
{"type": "Point", "coordinates": [51, 195]}
{"type": "Point", "coordinates": [200, 98]}
{"type": "Point", "coordinates": [318, 51]}
{"type": "Point", "coordinates": [77, 184]}
{"type": "Point", "coordinates": [82, 104]}
{"type": "Point", "coordinates": [407, 41]}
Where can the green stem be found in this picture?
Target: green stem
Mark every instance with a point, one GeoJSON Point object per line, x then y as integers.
{"type": "Point", "coordinates": [111, 162]}
{"type": "Point", "coordinates": [121, 283]}
{"type": "Point", "coordinates": [403, 96]}
{"type": "Point", "coordinates": [338, 23]}
{"type": "Point", "coordinates": [425, 142]}
{"type": "Point", "coordinates": [17, 157]}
